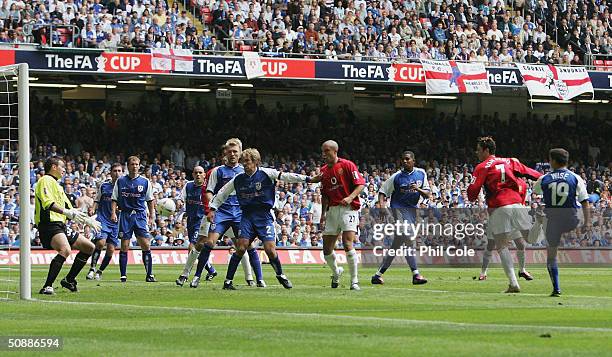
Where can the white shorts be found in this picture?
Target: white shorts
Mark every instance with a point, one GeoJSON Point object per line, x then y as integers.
{"type": "Point", "coordinates": [205, 226]}
{"type": "Point", "coordinates": [340, 219]}
{"type": "Point", "coordinates": [510, 218]}
{"type": "Point", "coordinates": [513, 235]}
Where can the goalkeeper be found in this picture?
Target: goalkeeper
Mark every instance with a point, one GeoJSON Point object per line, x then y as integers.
{"type": "Point", "coordinates": [53, 208]}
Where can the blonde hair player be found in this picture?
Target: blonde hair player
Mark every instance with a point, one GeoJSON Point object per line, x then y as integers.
{"type": "Point", "coordinates": [227, 219]}
{"type": "Point", "coordinates": [255, 190]}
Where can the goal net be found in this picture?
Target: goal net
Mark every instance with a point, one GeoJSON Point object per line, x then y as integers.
{"type": "Point", "coordinates": [15, 274]}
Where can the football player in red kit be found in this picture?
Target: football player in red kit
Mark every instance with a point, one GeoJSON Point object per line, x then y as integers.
{"type": "Point", "coordinates": [500, 179]}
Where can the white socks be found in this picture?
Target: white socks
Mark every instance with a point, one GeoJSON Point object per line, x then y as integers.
{"type": "Point", "coordinates": [351, 257]}
{"type": "Point", "coordinates": [246, 266]}
{"type": "Point", "coordinates": [508, 264]}
{"type": "Point", "coordinates": [191, 258]}
{"type": "Point", "coordinates": [486, 258]}
{"type": "Point", "coordinates": [331, 262]}
{"type": "Point", "coordinates": [520, 254]}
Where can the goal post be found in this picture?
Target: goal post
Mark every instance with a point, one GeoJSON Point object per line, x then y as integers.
{"type": "Point", "coordinates": [15, 152]}
{"type": "Point", "coordinates": [23, 156]}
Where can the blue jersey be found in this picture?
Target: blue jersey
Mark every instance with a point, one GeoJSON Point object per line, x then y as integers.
{"type": "Point", "coordinates": [104, 197]}
{"type": "Point", "coordinates": [219, 176]}
{"type": "Point", "coordinates": [398, 188]}
{"type": "Point", "coordinates": [132, 195]}
{"type": "Point", "coordinates": [256, 195]}
{"type": "Point", "coordinates": [561, 188]}
{"type": "Point", "coordinates": [256, 192]}
{"type": "Point", "coordinates": [194, 208]}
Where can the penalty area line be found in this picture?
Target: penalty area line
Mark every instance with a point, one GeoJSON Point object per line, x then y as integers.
{"type": "Point", "coordinates": [335, 317]}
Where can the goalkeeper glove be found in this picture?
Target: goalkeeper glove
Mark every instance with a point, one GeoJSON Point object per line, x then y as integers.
{"type": "Point", "coordinates": [89, 221]}
{"type": "Point", "coordinates": [73, 214]}
{"type": "Point", "coordinates": [93, 224]}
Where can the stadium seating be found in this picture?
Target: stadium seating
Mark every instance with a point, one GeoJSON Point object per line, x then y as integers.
{"type": "Point", "coordinates": [362, 26]}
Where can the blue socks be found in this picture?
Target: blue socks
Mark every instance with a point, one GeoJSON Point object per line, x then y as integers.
{"type": "Point", "coordinates": [387, 260]}
{"type": "Point", "coordinates": [105, 261]}
{"type": "Point", "coordinates": [147, 261]}
{"type": "Point", "coordinates": [553, 272]}
{"type": "Point", "coordinates": [411, 260]}
{"type": "Point", "coordinates": [276, 265]}
{"type": "Point", "coordinates": [255, 263]}
{"type": "Point", "coordinates": [232, 266]}
{"type": "Point", "coordinates": [209, 268]}
{"type": "Point", "coordinates": [123, 259]}
{"type": "Point", "coordinates": [203, 259]}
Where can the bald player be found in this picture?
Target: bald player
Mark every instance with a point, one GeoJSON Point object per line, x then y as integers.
{"type": "Point", "coordinates": [341, 184]}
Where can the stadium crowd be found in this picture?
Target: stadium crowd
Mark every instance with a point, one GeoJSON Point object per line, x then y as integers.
{"type": "Point", "coordinates": [497, 32]}
{"type": "Point", "coordinates": [289, 139]}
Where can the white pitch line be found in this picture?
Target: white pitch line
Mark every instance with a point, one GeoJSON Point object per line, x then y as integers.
{"type": "Point", "coordinates": [495, 293]}
{"type": "Point", "coordinates": [334, 317]}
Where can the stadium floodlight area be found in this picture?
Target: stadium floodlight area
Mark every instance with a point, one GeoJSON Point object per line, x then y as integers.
{"type": "Point", "coordinates": [14, 152]}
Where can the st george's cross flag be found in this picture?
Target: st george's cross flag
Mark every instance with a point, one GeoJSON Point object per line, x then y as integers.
{"type": "Point", "coordinates": [165, 59]}
{"type": "Point", "coordinates": [442, 77]}
{"type": "Point", "coordinates": [555, 81]}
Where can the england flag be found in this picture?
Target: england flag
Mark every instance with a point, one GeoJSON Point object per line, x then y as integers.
{"type": "Point", "coordinates": [442, 77]}
{"type": "Point", "coordinates": [561, 82]}
{"type": "Point", "coordinates": [165, 59]}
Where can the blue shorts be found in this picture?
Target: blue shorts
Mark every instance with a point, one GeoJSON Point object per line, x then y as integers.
{"type": "Point", "coordinates": [223, 223]}
{"type": "Point", "coordinates": [257, 225]}
{"type": "Point", "coordinates": [193, 232]}
{"type": "Point", "coordinates": [193, 229]}
{"type": "Point", "coordinates": [557, 225]}
{"type": "Point", "coordinates": [135, 223]}
{"type": "Point", "coordinates": [110, 232]}
{"type": "Point", "coordinates": [405, 214]}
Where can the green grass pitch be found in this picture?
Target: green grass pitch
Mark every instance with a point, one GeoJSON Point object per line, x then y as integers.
{"type": "Point", "coordinates": [451, 315]}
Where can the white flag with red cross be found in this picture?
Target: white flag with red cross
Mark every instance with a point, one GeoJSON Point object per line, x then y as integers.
{"type": "Point", "coordinates": [555, 81]}
{"type": "Point", "coordinates": [165, 59]}
{"type": "Point", "coordinates": [442, 77]}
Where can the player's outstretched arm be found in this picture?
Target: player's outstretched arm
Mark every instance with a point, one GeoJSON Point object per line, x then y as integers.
{"type": "Point", "coordinates": [316, 179]}
{"type": "Point", "coordinates": [524, 171]}
{"type": "Point", "coordinates": [285, 176]}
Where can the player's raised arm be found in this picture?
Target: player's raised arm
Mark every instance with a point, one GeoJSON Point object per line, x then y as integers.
{"type": "Point", "coordinates": [524, 171]}
{"type": "Point", "coordinates": [479, 178]}
{"type": "Point", "coordinates": [222, 195]}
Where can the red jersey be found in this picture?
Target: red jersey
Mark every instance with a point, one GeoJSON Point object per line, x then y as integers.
{"type": "Point", "coordinates": [203, 194]}
{"type": "Point", "coordinates": [339, 181]}
{"type": "Point", "coordinates": [499, 178]}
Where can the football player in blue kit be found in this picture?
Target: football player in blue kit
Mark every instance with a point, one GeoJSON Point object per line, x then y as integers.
{"type": "Point", "coordinates": [255, 190]}
{"type": "Point", "coordinates": [405, 188]}
{"type": "Point", "coordinates": [110, 230]}
{"type": "Point", "coordinates": [133, 195]}
{"type": "Point", "coordinates": [563, 193]}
